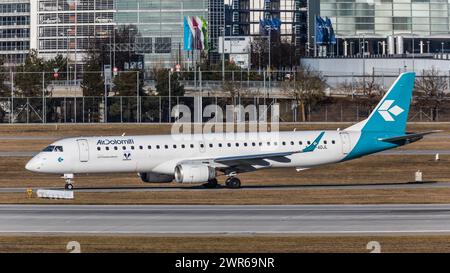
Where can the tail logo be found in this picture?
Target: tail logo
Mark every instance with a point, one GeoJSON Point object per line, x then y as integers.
{"type": "Point", "coordinates": [387, 112]}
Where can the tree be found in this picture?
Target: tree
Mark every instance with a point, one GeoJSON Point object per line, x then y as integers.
{"type": "Point", "coordinates": [162, 83]}
{"type": "Point", "coordinates": [282, 53]}
{"type": "Point", "coordinates": [306, 88]}
{"type": "Point", "coordinates": [125, 83]}
{"type": "Point", "coordinates": [5, 91]}
{"type": "Point", "coordinates": [93, 83]}
{"type": "Point", "coordinates": [28, 80]}
{"type": "Point", "coordinates": [60, 63]}
{"type": "Point", "coordinates": [115, 50]}
{"type": "Point", "coordinates": [431, 86]}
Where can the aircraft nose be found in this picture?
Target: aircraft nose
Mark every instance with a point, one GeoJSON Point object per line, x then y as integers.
{"type": "Point", "coordinates": [33, 165]}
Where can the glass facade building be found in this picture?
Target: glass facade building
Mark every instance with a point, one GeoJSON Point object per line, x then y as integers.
{"type": "Point", "coordinates": [14, 30]}
{"type": "Point", "coordinates": [388, 17]}
{"type": "Point", "coordinates": [423, 25]}
{"type": "Point", "coordinates": [159, 25]}
{"type": "Point", "coordinates": [293, 14]}
{"type": "Point", "coordinates": [67, 26]}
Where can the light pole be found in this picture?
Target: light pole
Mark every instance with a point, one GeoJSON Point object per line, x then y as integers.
{"type": "Point", "coordinates": [223, 52]}
{"type": "Point", "coordinates": [129, 46]}
{"type": "Point", "coordinates": [442, 47]}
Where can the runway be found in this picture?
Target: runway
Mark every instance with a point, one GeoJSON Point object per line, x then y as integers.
{"type": "Point", "coordinates": [210, 219]}
{"type": "Point", "coordinates": [287, 187]}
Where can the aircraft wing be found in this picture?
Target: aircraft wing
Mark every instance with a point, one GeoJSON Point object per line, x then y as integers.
{"type": "Point", "coordinates": [412, 137]}
{"type": "Point", "coordinates": [247, 162]}
{"type": "Point", "coordinates": [311, 148]}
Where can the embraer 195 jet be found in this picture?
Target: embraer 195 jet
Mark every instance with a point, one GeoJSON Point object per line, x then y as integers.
{"type": "Point", "coordinates": [201, 159]}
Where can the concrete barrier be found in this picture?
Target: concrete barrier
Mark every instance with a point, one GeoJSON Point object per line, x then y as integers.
{"type": "Point", "coordinates": [54, 194]}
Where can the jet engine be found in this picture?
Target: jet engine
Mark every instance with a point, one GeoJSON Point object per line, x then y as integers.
{"type": "Point", "coordinates": [155, 178]}
{"type": "Point", "coordinates": [185, 173]}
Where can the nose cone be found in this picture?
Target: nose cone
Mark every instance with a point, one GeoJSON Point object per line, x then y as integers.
{"type": "Point", "coordinates": [33, 165]}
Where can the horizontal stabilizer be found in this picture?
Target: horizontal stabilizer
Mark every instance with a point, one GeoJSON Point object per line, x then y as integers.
{"type": "Point", "coordinates": [409, 137]}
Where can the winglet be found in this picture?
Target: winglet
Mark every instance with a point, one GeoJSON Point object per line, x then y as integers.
{"type": "Point", "coordinates": [313, 146]}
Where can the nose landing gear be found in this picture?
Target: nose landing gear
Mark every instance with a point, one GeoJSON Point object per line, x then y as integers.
{"type": "Point", "coordinates": [68, 178]}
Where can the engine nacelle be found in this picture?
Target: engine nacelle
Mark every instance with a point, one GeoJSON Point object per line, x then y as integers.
{"type": "Point", "coordinates": [155, 178]}
{"type": "Point", "coordinates": [185, 173]}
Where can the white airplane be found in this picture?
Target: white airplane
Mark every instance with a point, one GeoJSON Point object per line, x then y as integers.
{"type": "Point", "coordinates": [202, 158]}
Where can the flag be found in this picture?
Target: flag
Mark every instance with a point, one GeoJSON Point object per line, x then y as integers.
{"type": "Point", "coordinates": [188, 39]}
{"type": "Point", "coordinates": [195, 33]}
{"type": "Point", "coordinates": [205, 33]}
{"type": "Point", "coordinates": [320, 30]}
{"type": "Point", "coordinates": [331, 34]}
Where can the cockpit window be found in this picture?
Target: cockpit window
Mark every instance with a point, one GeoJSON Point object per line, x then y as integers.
{"type": "Point", "coordinates": [59, 149]}
{"type": "Point", "coordinates": [49, 149]}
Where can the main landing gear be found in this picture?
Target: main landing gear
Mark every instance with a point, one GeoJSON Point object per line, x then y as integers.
{"type": "Point", "coordinates": [68, 178]}
{"type": "Point", "coordinates": [233, 183]}
{"type": "Point", "coordinates": [212, 184]}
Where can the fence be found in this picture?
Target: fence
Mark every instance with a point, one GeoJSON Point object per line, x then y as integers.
{"type": "Point", "coordinates": [155, 109]}
{"type": "Point", "coordinates": [205, 83]}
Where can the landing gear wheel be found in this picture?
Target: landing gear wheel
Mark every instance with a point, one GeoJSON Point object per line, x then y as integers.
{"type": "Point", "coordinates": [233, 183]}
{"type": "Point", "coordinates": [212, 184]}
{"type": "Point", "coordinates": [69, 187]}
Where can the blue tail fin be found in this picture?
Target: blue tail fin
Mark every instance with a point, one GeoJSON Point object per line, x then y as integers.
{"type": "Point", "coordinates": [391, 114]}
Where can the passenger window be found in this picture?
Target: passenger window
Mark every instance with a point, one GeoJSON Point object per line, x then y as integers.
{"type": "Point", "coordinates": [115, 148]}
{"type": "Point", "coordinates": [202, 145]}
{"type": "Point", "coordinates": [268, 143]}
{"type": "Point", "coordinates": [141, 148]}
{"type": "Point", "coordinates": [229, 144]}
{"type": "Point", "coordinates": [98, 148]}
{"type": "Point", "coordinates": [220, 145]}
{"type": "Point", "coordinates": [210, 145]}
{"type": "Point", "coordinates": [149, 147]}
{"type": "Point", "coordinates": [132, 147]}
{"type": "Point", "coordinates": [183, 146]}
{"type": "Point", "coordinates": [325, 142]}
{"type": "Point", "coordinates": [124, 148]}
{"type": "Point", "coordinates": [284, 143]}
{"type": "Point", "coordinates": [237, 144]}
{"type": "Point", "coordinates": [334, 142]}
{"type": "Point", "coordinates": [166, 146]}
{"type": "Point", "coordinates": [245, 144]}
{"type": "Point", "coordinates": [192, 145]}
{"type": "Point", "coordinates": [276, 143]}
{"type": "Point", "coordinates": [253, 144]}
{"type": "Point", "coordinates": [309, 142]}
{"type": "Point", "coordinates": [107, 148]}
{"type": "Point", "coordinates": [174, 146]}
{"type": "Point", "coordinates": [301, 143]}
{"type": "Point", "coordinates": [158, 147]}
{"type": "Point", "coordinates": [260, 144]}
{"type": "Point", "coordinates": [292, 142]}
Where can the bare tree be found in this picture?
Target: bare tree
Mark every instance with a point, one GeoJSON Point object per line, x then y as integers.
{"type": "Point", "coordinates": [306, 88]}
{"type": "Point", "coordinates": [431, 86]}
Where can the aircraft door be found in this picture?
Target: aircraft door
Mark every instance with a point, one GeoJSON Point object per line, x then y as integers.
{"type": "Point", "coordinates": [346, 143]}
{"type": "Point", "coordinates": [83, 149]}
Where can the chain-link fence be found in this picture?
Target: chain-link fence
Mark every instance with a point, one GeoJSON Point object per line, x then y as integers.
{"type": "Point", "coordinates": [155, 109]}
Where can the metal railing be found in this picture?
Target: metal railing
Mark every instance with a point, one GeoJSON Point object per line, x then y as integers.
{"type": "Point", "coordinates": [156, 109]}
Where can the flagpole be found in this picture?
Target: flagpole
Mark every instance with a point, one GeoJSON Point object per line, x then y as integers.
{"type": "Point", "coordinates": [315, 36]}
